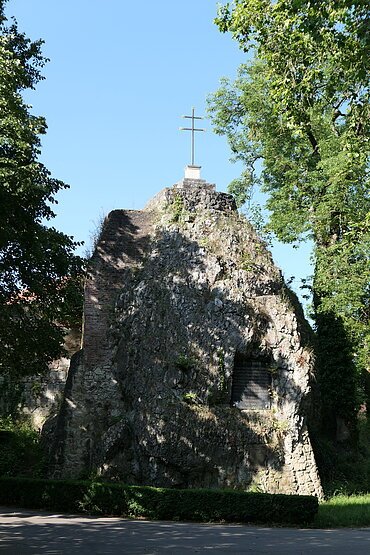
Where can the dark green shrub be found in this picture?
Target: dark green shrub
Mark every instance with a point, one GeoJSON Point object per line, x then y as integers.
{"type": "Point", "coordinates": [157, 503]}
{"type": "Point", "coordinates": [20, 450]}
{"type": "Point", "coordinates": [344, 467]}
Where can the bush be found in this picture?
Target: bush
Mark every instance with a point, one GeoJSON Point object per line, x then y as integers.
{"type": "Point", "coordinates": [344, 468]}
{"type": "Point", "coordinates": [20, 450]}
{"type": "Point", "coordinates": [157, 503]}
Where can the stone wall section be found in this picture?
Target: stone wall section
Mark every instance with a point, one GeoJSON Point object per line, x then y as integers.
{"type": "Point", "coordinates": [123, 243]}
{"type": "Point", "coordinates": [39, 397]}
{"type": "Point", "coordinates": [92, 399]}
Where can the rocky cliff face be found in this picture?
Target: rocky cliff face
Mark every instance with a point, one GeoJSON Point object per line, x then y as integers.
{"type": "Point", "coordinates": [196, 360]}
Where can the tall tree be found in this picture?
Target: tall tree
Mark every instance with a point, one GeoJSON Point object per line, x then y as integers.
{"type": "Point", "coordinates": [39, 272]}
{"type": "Point", "coordinates": [301, 106]}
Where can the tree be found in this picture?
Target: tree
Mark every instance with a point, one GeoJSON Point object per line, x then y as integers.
{"type": "Point", "coordinates": [40, 276]}
{"type": "Point", "coordinates": [301, 106]}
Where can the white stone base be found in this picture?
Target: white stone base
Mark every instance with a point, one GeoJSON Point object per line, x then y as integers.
{"type": "Point", "coordinates": [192, 172]}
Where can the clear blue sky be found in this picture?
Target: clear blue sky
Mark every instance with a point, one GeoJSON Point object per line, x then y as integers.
{"type": "Point", "coordinates": [120, 76]}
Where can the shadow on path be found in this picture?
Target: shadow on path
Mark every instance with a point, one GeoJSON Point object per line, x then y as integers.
{"type": "Point", "coordinates": [27, 532]}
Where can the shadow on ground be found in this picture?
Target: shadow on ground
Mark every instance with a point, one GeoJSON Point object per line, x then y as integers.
{"type": "Point", "coordinates": [26, 532]}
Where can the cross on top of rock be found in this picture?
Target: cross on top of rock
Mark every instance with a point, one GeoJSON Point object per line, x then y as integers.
{"type": "Point", "coordinates": [193, 130]}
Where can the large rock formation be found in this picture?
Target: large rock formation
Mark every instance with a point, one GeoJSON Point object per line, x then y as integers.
{"type": "Point", "coordinates": [196, 361]}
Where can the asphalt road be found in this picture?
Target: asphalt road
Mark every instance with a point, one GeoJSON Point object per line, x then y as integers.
{"type": "Point", "coordinates": [24, 532]}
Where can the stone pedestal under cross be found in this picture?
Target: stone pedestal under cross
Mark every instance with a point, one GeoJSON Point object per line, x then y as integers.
{"type": "Point", "coordinates": [192, 172]}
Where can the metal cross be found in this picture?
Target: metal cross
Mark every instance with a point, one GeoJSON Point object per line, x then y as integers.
{"type": "Point", "coordinates": [192, 129]}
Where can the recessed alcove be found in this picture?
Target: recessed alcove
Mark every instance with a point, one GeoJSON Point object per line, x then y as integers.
{"type": "Point", "coordinates": [251, 382]}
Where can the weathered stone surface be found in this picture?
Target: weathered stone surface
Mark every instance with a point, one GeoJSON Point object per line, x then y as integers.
{"type": "Point", "coordinates": [174, 292]}
{"type": "Point", "coordinates": [39, 397]}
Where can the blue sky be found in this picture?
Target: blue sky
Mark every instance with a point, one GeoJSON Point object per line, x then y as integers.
{"type": "Point", "coordinates": [120, 76]}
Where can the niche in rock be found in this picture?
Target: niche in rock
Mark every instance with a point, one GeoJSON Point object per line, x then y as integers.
{"type": "Point", "coordinates": [251, 382]}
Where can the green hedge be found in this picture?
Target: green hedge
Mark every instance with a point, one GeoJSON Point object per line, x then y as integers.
{"type": "Point", "coordinates": [200, 505]}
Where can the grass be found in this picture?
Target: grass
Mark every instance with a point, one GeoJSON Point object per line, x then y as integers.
{"type": "Point", "coordinates": [344, 511]}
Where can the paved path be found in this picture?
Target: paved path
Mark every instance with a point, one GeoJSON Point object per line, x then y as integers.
{"type": "Point", "coordinates": [25, 532]}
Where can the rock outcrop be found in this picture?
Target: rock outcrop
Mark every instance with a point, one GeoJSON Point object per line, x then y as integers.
{"type": "Point", "coordinates": [196, 360]}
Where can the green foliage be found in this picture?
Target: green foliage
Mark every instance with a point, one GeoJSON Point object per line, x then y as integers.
{"type": "Point", "coordinates": [241, 188]}
{"type": "Point", "coordinates": [40, 277]}
{"type": "Point", "coordinates": [11, 396]}
{"type": "Point", "coordinates": [247, 262]}
{"type": "Point", "coordinates": [222, 380]}
{"type": "Point", "coordinates": [177, 208]}
{"type": "Point", "coordinates": [301, 110]}
{"type": "Point", "coordinates": [157, 503]}
{"type": "Point", "coordinates": [20, 450]}
{"type": "Point", "coordinates": [185, 363]}
{"type": "Point", "coordinates": [344, 469]}
{"type": "Point", "coordinates": [95, 235]}
{"type": "Point", "coordinates": [191, 398]}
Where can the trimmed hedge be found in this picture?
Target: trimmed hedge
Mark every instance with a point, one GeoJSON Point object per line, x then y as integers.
{"type": "Point", "coordinates": [202, 505]}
